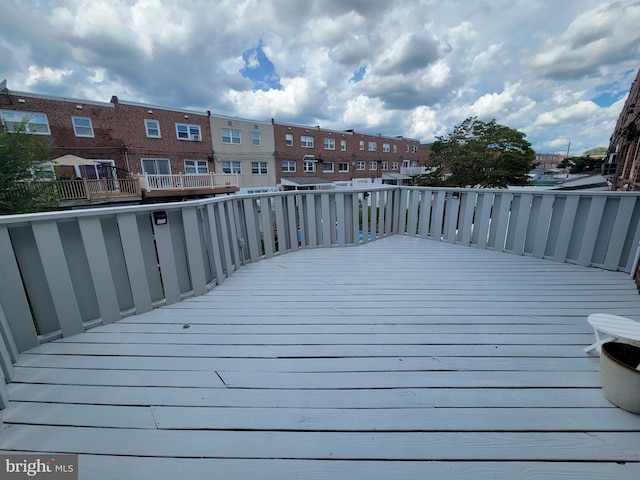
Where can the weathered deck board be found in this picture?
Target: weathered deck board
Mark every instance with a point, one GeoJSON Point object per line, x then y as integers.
{"type": "Point", "coordinates": [403, 358]}
{"type": "Point", "coordinates": [203, 469]}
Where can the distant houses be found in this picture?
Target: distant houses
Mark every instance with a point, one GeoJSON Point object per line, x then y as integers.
{"type": "Point", "coordinates": [177, 154]}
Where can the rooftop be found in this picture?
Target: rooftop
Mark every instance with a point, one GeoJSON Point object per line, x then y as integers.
{"type": "Point", "coordinates": [401, 358]}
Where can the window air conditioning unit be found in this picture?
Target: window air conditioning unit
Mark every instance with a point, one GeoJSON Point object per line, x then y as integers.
{"type": "Point", "coordinates": [195, 138]}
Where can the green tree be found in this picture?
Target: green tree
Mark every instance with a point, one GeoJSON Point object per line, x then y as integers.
{"type": "Point", "coordinates": [583, 164]}
{"type": "Point", "coordinates": [484, 154]}
{"type": "Point", "coordinates": [21, 155]}
{"type": "Point", "coordinates": [595, 152]}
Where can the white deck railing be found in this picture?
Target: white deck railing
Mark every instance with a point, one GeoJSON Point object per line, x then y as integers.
{"type": "Point", "coordinates": [65, 272]}
{"type": "Point", "coordinates": [85, 189]}
{"type": "Point", "coordinates": [187, 181]}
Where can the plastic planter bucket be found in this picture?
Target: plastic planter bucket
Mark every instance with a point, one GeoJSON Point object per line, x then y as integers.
{"type": "Point", "coordinates": [618, 375]}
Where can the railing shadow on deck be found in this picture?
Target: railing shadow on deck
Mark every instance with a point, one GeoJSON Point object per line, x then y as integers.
{"type": "Point", "coordinates": [65, 272]}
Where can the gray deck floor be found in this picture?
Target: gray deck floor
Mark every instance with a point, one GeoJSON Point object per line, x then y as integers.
{"type": "Point", "coordinates": [403, 358]}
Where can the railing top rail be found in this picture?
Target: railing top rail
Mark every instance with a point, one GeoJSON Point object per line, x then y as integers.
{"type": "Point", "coordinates": [113, 210]}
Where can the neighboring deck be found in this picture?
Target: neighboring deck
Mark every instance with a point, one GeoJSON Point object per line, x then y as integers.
{"type": "Point", "coordinates": [403, 358]}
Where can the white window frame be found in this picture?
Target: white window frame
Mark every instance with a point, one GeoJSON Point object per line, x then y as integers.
{"type": "Point", "coordinates": [328, 167]}
{"type": "Point", "coordinates": [406, 147]}
{"type": "Point", "coordinates": [156, 162]}
{"type": "Point", "coordinates": [329, 143]}
{"type": "Point", "coordinates": [288, 139]}
{"type": "Point", "coordinates": [232, 167]}
{"type": "Point", "coordinates": [386, 147]}
{"type": "Point", "coordinates": [150, 125]}
{"type": "Point", "coordinates": [256, 139]}
{"type": "Point", "coordinates": [373, 147]}
{"type": "Point", "coordinates": [361, 165]}
{"type": "Point", "coordinates": [343, 145]}
{"type": "Point", "coordinates": [37, 123]}
{"type": "Point", "coordinates": [340, 164]}
{"type": "Point", "coordinates": [361, 144]}
{"type": "Point", "coordinates": [288, 166]}
{"type": "Point", "coordinates": [309, 164]}
{"type": "Point", "coordinates": [81, 130]}
{"type": "Point", "coordinates": [197, 167]}
{"type": "Point", "coordinates": [373, 165]}
{"type": "Point", "coordinates": [185, 131]}
{"type": "Point", "coordinates": [260, 168]}
{"type": "Point", "coordinates": [394, 166]}
{"type": "Point", "coordinates": [231, 136]}
{"type": "Point", "coordinates": [384, 165]}
{"type": "Point", "coordinates": [414, 149]}
{"type": "Point", "coordinates": [395, 148]}
{"type": "Point", "coordinates": [306, 141]}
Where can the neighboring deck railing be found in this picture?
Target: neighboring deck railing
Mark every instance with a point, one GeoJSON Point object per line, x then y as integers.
{"type": "Point", "coordinates": [84, 189]}
{"type": "Point", "coordinates": [187, 181]}
{"type": "Point", "coordinates": [65, 272]}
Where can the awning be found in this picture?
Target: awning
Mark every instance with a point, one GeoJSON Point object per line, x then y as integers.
{"type": "Point", "coordinates": [71, 161]}
{"type": "Point", "coordinates": [304, 181]}
{"type": "Point", "coordinates": [395, 176]}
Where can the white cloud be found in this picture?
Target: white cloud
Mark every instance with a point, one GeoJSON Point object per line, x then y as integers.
{"type": "Point", "coordinates": [536, 65]}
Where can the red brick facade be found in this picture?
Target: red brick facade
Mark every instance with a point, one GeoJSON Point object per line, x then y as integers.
{"type": "Point", "coordinates": [624, 147]}
{"type": "Point", "coordinates": [119, 131]}
{"type": "Point", "coordinates": [131, 128]}
{"type": "Point", "coordinates": [338, 161]}
{"type": "Point", "coordinates": [60, 112]}
{"type": "Point", "coordinates": [121, 134]}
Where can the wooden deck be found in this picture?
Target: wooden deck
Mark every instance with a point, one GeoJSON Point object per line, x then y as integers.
{"type": "Point", "coordinates": [403, 358]}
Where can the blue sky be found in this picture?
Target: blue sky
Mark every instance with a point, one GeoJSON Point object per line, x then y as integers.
{"type": "Point", "coordinates": [558, 71]}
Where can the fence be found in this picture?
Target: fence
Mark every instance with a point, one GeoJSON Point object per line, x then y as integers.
{"type": "Point", "coordinates": [187, 181]}
{"type": "Point", "coordinates": [83, 189]}
{"type": "Point", "coordinates": [65, 272]}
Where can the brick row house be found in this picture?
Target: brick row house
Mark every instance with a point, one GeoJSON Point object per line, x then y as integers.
{"type": "Point", "coordinates": [161, 149]}
{"type": "Point", "coordinates": [311, 157]}
{"type": "Point", "coordinates": [623, 156]}
{"type": "Point", "coordinates": [175, 154]}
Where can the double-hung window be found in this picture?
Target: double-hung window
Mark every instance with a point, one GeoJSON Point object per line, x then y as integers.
{"type": "Point", "coordinates": [152, 127]}
{"type": "Point", "coordinates": [82, 127]}
{"type": "Point", "coordinates": [188, 132]}
{"type": "Point", "coordinates": [256, 139]}
{"type": "Point", "coordinates": [288, 166]}
{"type": "Point", "coordinates": [306, 141]}
{"type": "Point", "coordinates": [343, 145]}
{"type": "Point", "coordinates": [232, 167]}
{"type": "Point", "coordinates": [329, 144]}
{"type": "Point", "coordinates": [373, 146]}
{"type": "Point", "coordinates": [259, 168]}
{"type": "Point", "coordinates": [199, 167]}
{"type": "Point", "coordinates": [309, 164]}
{"type": "Point", "coordinates": [231, 137]}
{"type": "Point", "coordinates": [35, 123]}
{"type": "Point", "coordinates": [288, 139]}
